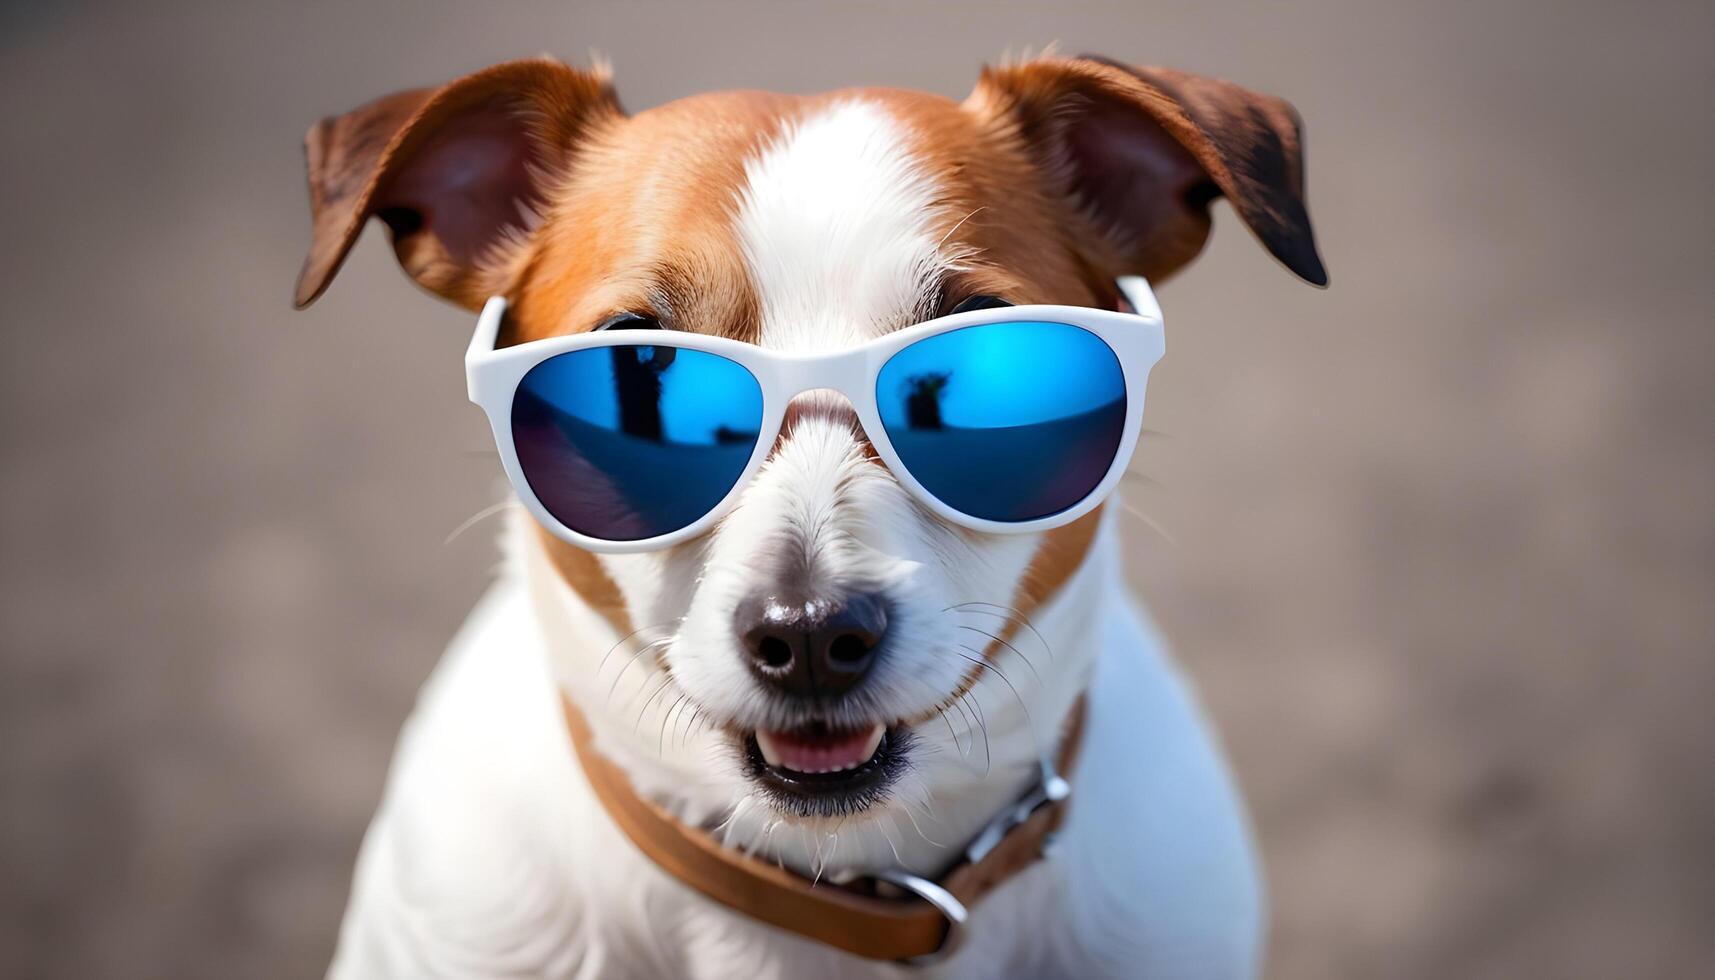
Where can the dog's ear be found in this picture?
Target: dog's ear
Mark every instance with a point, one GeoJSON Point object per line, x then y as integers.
{"type": "Point", "coordinates": [1140, 153]}
{"type": "Point", "coordinates": [452, 171]}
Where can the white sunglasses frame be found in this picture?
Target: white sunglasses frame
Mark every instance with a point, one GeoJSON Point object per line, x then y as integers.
{"type": "Point", "coordinates": [1137, 339]}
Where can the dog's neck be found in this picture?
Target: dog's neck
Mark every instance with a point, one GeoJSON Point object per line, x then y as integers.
{"type": "Point", "coordinates": [673, 759]}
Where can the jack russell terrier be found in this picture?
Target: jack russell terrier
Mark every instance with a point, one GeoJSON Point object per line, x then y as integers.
{"type": "Point", "coordinates": [812, 655]}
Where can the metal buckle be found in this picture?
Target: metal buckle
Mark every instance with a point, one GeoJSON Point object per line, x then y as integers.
{"type": "Point", "coordinates": [1050, 788]}
{"type": "Point", "coordinates": [951, 909]}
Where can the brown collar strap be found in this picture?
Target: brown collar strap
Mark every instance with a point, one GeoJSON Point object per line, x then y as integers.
{"type": "Point", "coordinates": [922, 924]}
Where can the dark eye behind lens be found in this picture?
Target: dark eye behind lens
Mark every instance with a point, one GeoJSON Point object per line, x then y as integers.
{"type": "Point", "coordinates": [634, 440]}
{"type": "Point", "coordinates": [1007, 421]}
{"type": "Point", "coordinates": [970, 303]}
{"type": "Point", "coordinates": [629, 321]}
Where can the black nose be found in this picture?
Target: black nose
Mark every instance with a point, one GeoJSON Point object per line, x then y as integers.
{"type": "Point", "coordinates": [813, 650]}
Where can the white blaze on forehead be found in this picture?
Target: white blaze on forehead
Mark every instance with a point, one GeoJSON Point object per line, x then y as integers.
{"type": "Point", "coordinates": [837, 223]}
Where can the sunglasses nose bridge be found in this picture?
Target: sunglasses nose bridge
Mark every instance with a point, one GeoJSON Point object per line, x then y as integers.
{"type": "Point", "coordinates": [801, 376]}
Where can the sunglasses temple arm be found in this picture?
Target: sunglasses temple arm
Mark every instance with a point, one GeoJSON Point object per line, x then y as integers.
{"type": "Point", "coordinates": [482, 342]}
{"type": "Point", "coordinates": [1136, 291]}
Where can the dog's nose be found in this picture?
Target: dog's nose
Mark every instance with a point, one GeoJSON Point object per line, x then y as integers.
{"type": "Point", "coordinates": [812, 649]}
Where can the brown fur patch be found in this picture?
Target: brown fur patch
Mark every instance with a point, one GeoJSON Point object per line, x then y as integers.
{"type": "Point", "coordinates": [997, 210]}
{"type": "Point", "coordinates": [582, 571]}
{"type": "Point", "coordinates": [644, 224]}
{"type": "Point", "coordinates": [1061, 552]}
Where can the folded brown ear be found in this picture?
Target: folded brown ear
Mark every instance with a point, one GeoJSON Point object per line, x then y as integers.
{"type": "Point", "coordinates": [448, 169]}
{"type": "Point", "coordinates": [1141, 152]}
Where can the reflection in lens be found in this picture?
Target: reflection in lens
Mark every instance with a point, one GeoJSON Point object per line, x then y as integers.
{"type": "Point", "coordinates": [1005, 421]}
{"type": "Point", "coordinates": [634, 441]}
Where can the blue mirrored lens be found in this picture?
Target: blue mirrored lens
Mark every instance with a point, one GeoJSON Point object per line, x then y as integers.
{"type": "Point", "coordinates": [633, 441]}
{"type": "Point", "coordinates": [1005, 421]}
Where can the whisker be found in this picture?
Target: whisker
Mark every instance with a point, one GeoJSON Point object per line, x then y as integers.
{"type": "Point", "coordinates": [1003, 679]}
{"type": "Point", "coordinates": [666, 682]}
{"type": "Point", "coordinates": [645, 648]}
{"type": "Point", "coordinates": [982, 722]}
{"type": "Point", "coordinates": [1017, 616]}
{"type": "Point", "coordinates": [1009, 646]}
{"type": "Point", "coordinates": [889, 838]}
{"type": "Point", "coordinates": [613, 649]}
{"type": "Point", "coordinates": [914, 825]}
{"type": "Point", "coordinates": [961, 223]}
{"type": "Point", "coordinates": [692, 720]}
{"type": "Point", "coordinates": [661, 739]}
{"type": "Point", "coordinates": [955, 735]}
{"type": "Point", "coordinates": [1141, 480]}
{"type": "Point", "coordinates": [940, 708]}
{"type": "Point", "coordinates": [969, 720]}
{"type": "Point", "coordinates": [477, 518]}
{"type": "Point", "coordinates": [1149, 523]}
{"type": "Point", "coordinates": [687, 715]}
{"type": "Point", "coordinates": [833, 849]}
{"type": "Point", "coordinates": [695, 725]}
{"type": "Point", "coordinates": [724, 828]}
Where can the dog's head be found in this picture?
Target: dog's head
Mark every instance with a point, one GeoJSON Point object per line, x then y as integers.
{"type": "Point", "coordinates": [832, 653]}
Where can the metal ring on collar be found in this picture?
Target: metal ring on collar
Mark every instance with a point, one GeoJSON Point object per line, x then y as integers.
{"type": "Point", "coordinates": [951, 909]}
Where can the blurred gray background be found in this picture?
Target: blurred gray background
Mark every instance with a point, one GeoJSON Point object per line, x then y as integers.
{"type": "Point", "coordinates": [1444, 559]}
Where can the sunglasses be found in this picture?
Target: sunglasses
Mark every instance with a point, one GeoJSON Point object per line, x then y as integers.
{"type": "Point", "coordinates": [1006, 420]}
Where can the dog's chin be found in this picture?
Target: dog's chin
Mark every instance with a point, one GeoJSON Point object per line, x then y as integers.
{"type": "Point", "coordinates": [817, 770]}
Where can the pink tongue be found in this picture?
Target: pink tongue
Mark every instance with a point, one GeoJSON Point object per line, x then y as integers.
{"type": "Point", "coordinates": [819, 754]}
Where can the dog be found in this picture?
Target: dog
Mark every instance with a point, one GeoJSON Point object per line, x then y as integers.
{"type": "Point", "coordinates": [589, 785]}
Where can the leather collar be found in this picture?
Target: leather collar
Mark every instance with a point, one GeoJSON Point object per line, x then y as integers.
{"type": "Point", "coordinates": [892, 916]}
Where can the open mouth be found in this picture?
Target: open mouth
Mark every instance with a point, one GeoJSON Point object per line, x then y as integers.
{"type": "Point", "coordinates": [817, 770]}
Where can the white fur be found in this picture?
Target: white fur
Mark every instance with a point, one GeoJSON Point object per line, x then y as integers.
{"type": "Point", "coordinates": [837, 223]}
{"type": "Point", "coordinates": [490, 857]}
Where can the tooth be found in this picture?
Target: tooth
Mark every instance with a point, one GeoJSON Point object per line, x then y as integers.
{"type": "Point", "coordinates": [770, 753]}
{"type": "Point", "coordinates": [872, 743]}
